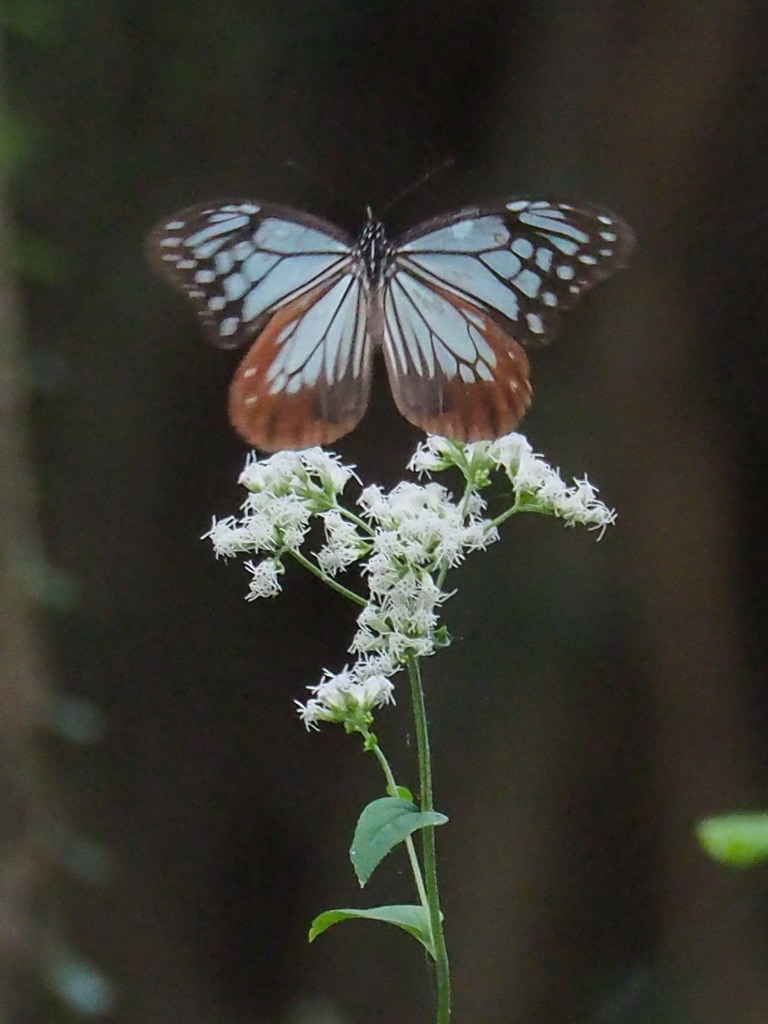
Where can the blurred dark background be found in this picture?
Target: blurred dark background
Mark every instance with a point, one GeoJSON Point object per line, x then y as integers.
{"type": "Point", "coordinates": [168, 828]}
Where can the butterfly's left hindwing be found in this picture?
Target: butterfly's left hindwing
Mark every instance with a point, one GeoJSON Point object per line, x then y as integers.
{"type": "Point", "coordinates": [306, 380]}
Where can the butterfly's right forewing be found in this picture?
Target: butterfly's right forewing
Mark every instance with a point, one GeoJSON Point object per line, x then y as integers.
{"type": "Point", "coordinates": [525, 262]}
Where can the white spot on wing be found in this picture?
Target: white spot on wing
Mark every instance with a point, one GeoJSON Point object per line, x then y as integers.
{"type": "Point", "coordinates": [564, 245]}
{"type": "Point", "coordinates": [223, 262]}
{"type": "Point", "coordinates": [235, 286]}
{"type": "Point", "coordinates": [528, 283]}
{"type": "Point", "coordinates": [544, 258]}
{"type": "Point", "coordinates": [522, 247]}
{"type": "Point", "coordinates": [242, 250]}
{"type": "Point", "coordinates": [207, 249]}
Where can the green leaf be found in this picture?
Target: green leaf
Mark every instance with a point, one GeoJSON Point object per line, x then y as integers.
{"type": "Point", "coordinates": [412, 919]}
{"type": "Point", "coordinates": [382, 825]}
{"type": "Point", "coordinates": [740, 840]}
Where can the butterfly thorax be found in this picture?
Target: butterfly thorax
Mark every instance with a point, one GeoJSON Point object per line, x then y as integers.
{"type": "Point", "coordinates": [374, 251]}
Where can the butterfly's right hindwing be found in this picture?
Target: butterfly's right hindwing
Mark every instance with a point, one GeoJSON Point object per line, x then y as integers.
{"type": "Point", "coordinates": [238, 262]}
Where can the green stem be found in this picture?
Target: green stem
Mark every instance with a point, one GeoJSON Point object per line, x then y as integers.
{"type": "Point", "coordinates": [443, 976]}
{"type": "Point", "coordinates": [371, 743]}
{"type": "Point", "coordinates": [357, 520]}
{"type": "Point", "coordinates": [334, 584]}
{"type": "Point", "coordinates": [519, 506]}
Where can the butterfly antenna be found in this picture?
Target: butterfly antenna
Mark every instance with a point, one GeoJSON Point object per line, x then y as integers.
{"type": "Point", "coordinates": [437, 169]}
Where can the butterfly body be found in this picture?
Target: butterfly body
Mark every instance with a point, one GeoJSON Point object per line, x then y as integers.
{"type": "Point", "coordinates": [373, 252]}
{"type": "Point", "coordinates": [451, 303]}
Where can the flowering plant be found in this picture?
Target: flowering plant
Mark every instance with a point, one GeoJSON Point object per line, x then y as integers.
{"type": "Point", "coordinates": [405, 541]}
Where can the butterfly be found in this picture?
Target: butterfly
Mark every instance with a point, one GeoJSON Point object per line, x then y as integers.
{"type": "Point", "coordinates": [451, 304]}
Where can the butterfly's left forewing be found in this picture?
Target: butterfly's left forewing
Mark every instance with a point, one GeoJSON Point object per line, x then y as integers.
{"type": "Point", "coordinates": [289, 284]}
{"type": "Point", "coordinates": [239, 261]}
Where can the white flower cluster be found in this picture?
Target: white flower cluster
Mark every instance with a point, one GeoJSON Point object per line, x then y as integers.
{"type": "Point", "coordinates": [537, 486]}
{"type": "Point", "coordinates": [284, 492]}
{"type": "Point", "coordinates": [419, 533]}
{"type": "Point", "coordinates": [407, 540]}
{"type": "Point", "coordinates": [350, 696]}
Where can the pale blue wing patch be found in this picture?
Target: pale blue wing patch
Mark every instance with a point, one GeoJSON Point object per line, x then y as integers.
{"type": "Point", "coordinates": [474, 275]}
{"type": "Point", "coordinates": [280, 283]}
{"type": "Point", "coordinates": [283, 236]}
{"type": "Point", "coordinates": [471, 235]}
